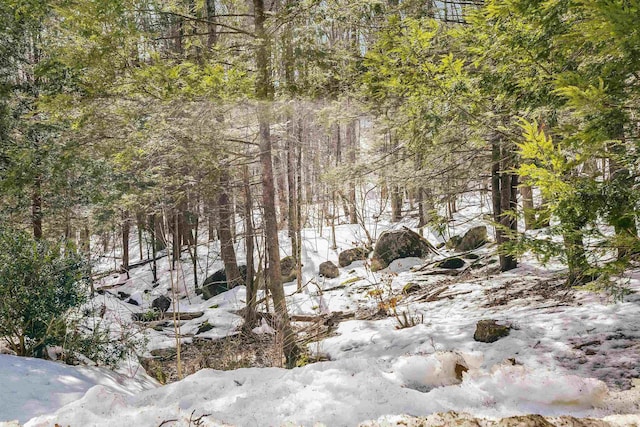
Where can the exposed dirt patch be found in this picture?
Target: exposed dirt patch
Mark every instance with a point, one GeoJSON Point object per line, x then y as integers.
{"type": "Point", "coordinates": [232, 352]}
{"type": "Point", "coordinates": [551, 292]}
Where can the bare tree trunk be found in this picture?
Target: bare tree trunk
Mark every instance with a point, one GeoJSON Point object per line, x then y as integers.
{"type": "Point", "coordinates": [501, 191]}
{"type": "Point", "coordinates": [36, 208]}
{"type": "Point", "coordinates": [227, 250]}
{"type": "Point", "coordinates": [293, 193]}
{"type": "Point", "coordinates": [352, 140]}
{"type": "Point", "coordinates": [250, 316]}
{"type": "Point", "coordinates": [263, 92]}
{"type": "Point", "coordinates": [153, 229]}
{"type": "Point", "coordinates": [212, 36]}
{"type": "Point", "coordinates": [140, 227]}
{"type": "Point", "coordinates": [527, 207]}
{"type": "Point", "coordinates": [125, 243]}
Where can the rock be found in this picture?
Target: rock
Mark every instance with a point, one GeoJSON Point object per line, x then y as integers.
{"type": "Point", "coordinates": [288, 269]}
{"type": "Point", "coordinates": [123, 295]}
{"type": "Point", "coordinates": [451, 263]}
{"type": "Point", "coordinates": [329, 270]}
{"type": "Point", "coordinates": [471, 256]}
{"type": "Point", "coordinates": [396, 244]}
{"type": "Point", "coordinates": [206, 326]}
{"type": "Point", "coordinates": [161, 304]}
{"type": "Point", "coordinates": [472, 239]}
{"type": "Point", "coordinates": [350, 255]}
{"type": "Point", "coordinates": [217, 282]}
{"type": "Point", "coordinates": [132, 301]}
{"type": "Point", "coordinates": [489, 331]}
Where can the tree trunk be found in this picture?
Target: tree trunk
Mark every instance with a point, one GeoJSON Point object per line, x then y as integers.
{"type": "Point", "coordinates": [527, 207]}
{"type": "Point", "coordinates": [250, 316]}
{"type": "Point", "coordinates": [227, 250]}
{"type": "Point", "coordinates": [352, 140]}
{"type": "Point", "coordinates": [153, 230]}
{"type": "Point", "coordinates": [36, 208]}
{"type": "Point", "coordinates": [263, 92]}
{"type": "Point", "coordinates": [140, 227]}
{"type": "Point", "coordinates": [576, 258]}
{"type": "Point", "coordinates": [502, 192]}
{"type": "Point", "coordinates": [125, 243]}
{"type": "Point", "coordinates": [624, 217]}
{"type": "Point", "coordinates": [293, 193]}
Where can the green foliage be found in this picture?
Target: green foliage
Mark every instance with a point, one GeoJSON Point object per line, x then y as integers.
{"type": "Point", "coordinates": [39, 283]}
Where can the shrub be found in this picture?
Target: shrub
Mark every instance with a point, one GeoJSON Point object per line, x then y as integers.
{"type": "Point", "coordinates": [39, 283]}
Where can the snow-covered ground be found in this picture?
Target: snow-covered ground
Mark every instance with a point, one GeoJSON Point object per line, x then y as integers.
{"type": "Point", "coordinates": [568, 352]}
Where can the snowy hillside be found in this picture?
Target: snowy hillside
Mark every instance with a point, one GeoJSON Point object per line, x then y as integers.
{"type": "Point", "coordinates": [568, 352]}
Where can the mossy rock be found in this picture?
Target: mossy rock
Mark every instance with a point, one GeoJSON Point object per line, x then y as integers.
{"type": "Point", "coordinates": [288, 269]}
{"type": "Point", "coordinates": [350, 255]}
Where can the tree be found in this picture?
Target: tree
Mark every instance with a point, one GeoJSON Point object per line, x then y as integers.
{"type": "Point", "coordinates": [39, 282]}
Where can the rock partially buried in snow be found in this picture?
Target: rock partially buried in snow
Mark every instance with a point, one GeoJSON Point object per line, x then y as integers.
{"type": "Point", "coordinates": [350, 255]}
{"type": "Point", "coordinates": [472, 239]}
{"type": "Point", "coordinates": [395, 244]}
{"type": "Point", "coordinates": [217, 282]}
{"type": "Point", "coordinates": [329, 270]}
{"type": "Point", "coordinates": [161, 303]}
{"type": "Point", "coordinates": [451, 263]}
{"type": "Point", "coordinates": [489, 331]}
{"type": "Point", "coordinates": [288, 269]}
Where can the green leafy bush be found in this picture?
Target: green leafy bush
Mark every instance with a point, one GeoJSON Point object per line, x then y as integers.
{"type": "Point", "coordinates": [39, 283]}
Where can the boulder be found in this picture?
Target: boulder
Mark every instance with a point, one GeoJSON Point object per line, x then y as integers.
{"type": "Point", "coordinates": [329, 270]}
{"type": "Point", "coordinates": [451, 263]}
{"type": "Point", "coordinates": [396, 244]}
{"type": "Point", "coordinates": [288, 269]}
{"type": "Point", "coordinates": [350, 255]}
{"type": "Point", "coordinates": [161, 304]}
{"type": "Point", "coordinates": [472, 239]}
{"type": "Point", "coordinates": [217, 282]}
{"type": "Point", "coordinates": [489, 330]}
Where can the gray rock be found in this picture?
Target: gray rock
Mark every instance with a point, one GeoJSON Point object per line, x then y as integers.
{"type": "Point", "coordinates": [161, 304]}
{"type": "Point", "coordinates": [396, 244]}
{"type": "Point", "coordinates": [350, 255]}
{"type": "Point", "coordinates": [288, 269]}
{"type": "Point", "coordinates": [329, 270]}
{"type": "Point", "coordinates": [489, 330]}
{"type": "Point", "coordinates": [472, 239]}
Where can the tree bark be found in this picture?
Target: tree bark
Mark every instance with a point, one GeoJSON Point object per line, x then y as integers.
{"type": "Point", "coordinates": [250, 316]}
{"type": "Point", "coordinates": [502, 192]}
{"type": "Point", "coordinates": [125, 243]}
{"type": "Point", "coordinates": [36, 208]}
{"type": "Point", "coordinates": [227, 250]}
{"type": "Point", "coordinates": [527, 207]}
{"type": "Point", "coordinates": [263, 92]}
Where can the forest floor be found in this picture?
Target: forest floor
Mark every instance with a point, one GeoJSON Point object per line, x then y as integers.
{"type": "Point", "coordinates": [394, 347]}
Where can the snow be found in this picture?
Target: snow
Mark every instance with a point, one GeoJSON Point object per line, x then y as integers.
{"type": "Point", "coordinates": [568, 353]}
{"type": "Point", "coordinates": [31, 387]}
